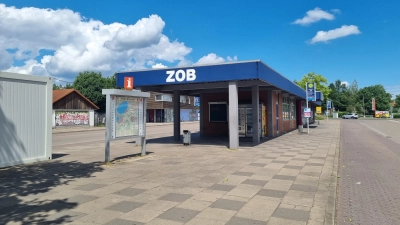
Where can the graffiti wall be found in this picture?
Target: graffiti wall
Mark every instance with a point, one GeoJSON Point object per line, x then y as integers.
{"type": "Point", "coordinates": [71, 118]}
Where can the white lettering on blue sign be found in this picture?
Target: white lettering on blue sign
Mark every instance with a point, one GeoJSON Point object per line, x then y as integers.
{"type": "Point", "coordinates": [181, 75]}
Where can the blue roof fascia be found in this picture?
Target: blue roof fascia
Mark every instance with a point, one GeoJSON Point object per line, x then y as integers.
{"type": "Point", "coordinates": [274, 78]}
{"type": "Point", "coordinates": [207, 73]}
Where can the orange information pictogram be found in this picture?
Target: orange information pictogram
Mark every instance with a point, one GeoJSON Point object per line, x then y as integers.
{"type": "Point", "coordinates": [128, 83]}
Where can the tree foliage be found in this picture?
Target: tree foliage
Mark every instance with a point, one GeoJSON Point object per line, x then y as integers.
{"type": "Point", "coordinates": [382, 98]}
{"type": "Point", "coordinates": [320, 81]}
{"type": "Point", "coordinates": [59, 87]}
{"type": "Point", "coordinates": [353, 101]}
{"type": "Point", "coordinates": [338, 96]}
{"type": "Point", "coordinates": [396, 103]}
{"type": "Point", "coordinates": [91, 84]}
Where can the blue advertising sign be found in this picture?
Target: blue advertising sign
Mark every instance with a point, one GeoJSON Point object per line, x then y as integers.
{"type": "Point", "coordinates": [196, 101]}
{"type": "Point", "coordinates": [311, 92]}
{"type": "Point", "coordinates": [328, 104]}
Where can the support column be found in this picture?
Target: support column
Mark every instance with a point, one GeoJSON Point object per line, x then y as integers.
{"type": "Point", "coordinates": [177, 115]}
{"type": "Point", "coordinates": [270, 119]}
{"type": "Point", "coordinates": [233, 116]}
{"type": "Point", "coordinates": [108, 128]}
{"type": "Point", "coordinates": [256, 114]}
{"type": "Point", "coordinates": [201, 115]}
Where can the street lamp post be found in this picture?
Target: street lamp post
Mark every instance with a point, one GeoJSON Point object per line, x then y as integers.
{"type": "Point", "coordinates": [363, 107]}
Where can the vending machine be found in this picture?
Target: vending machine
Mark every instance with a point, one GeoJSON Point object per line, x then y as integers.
{"type": "Point", "coordinates": [246, 120]}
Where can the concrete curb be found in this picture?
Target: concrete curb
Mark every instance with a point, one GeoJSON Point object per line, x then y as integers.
{"type": "Point", "coordinates": [83, 129]}
{"type": "Point", "coordinates": [330, 214]}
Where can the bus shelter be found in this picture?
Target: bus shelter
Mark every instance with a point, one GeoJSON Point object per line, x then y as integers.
{"type": "Point", "coordinates": [237, 99]}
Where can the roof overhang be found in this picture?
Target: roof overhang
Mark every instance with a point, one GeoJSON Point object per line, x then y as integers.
{"type": "Point", "coordinates": [195, 80]}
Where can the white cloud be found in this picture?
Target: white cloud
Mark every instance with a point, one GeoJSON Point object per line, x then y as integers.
{"type": "Point", "coordinates": [145, 32]}
{"type": "Point", "coordinates": [313, 16]}
{"type": "Point", "coordinates": [336, 11]}
{"type": "Point", "coordinates": [185, 62]}
{"type": "Point", "coordinates": [158, 65]}
{"type": "Point", "coordinates": [212, 58]}
{"type": "Point", "coordinates": [79, 44]}
{"type": "Point", "coordinates": [324, 36]}
{"type": "Point", "coordinates": [231, 59]}
{"type": "Point", "coordinates": [345, 83]}
{"type": "Point", "coordinates": [5, 59]}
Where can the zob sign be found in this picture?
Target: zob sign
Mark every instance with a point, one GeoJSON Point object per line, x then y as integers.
{"type": "Point", "coordinates": [181, 75]}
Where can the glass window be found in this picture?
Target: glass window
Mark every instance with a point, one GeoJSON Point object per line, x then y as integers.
{"type": "Point", "coordinates": [164, 97]}
{"type": "Point", "coordinates": [293, 109]}
{"type": "Point", "coordinates": [286, 108]}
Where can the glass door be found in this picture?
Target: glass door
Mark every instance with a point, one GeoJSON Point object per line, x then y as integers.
{"type": "Point", "coordinates": [249, 122]}
{"type": "Point", "coordinates": [242, 122]}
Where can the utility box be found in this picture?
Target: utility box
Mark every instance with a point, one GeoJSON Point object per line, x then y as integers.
{"type": "Point", "coordinates": [186, 137]}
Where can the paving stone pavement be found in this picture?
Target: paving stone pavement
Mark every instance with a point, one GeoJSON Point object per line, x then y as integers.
{"type": "Point", "coordinates": [368, 191]}
{"type": "Point", "coordinates": [290, 179]}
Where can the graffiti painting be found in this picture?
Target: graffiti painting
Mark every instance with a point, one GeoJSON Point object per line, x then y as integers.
{"type": "Point", "coordinates": [71, 118]}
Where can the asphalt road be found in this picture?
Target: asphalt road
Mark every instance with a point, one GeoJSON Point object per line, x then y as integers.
{"type": "Point", "coordinates": [152, 131]}
{"type": "Point", "coordinates": [369, 170]}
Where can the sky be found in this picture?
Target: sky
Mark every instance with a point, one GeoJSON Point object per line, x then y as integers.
{"type": "Point", "coordinates": [356, 40]}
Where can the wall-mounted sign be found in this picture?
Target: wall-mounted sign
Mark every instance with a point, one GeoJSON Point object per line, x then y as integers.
{"type": "Point", "coordinates": [311, 91]}
{"type": "Point", "coordinates": [181, 75]}
{"type": "Point", "coordinates": [128, 83]}
{"type": "Point", "coordinates": [307, 112]}
{"type": "Point", "coordinates": [318, 110]}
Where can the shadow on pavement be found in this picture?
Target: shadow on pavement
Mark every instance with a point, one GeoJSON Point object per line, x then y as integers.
{"type": "Point", "coordinates": [130, 156]}
{"type": "Point", "coordinates": [197, 140]}
{"type": "Point", "coordinates": [56, 155]}
{"type": "Point", "coordinates": [23, 187]}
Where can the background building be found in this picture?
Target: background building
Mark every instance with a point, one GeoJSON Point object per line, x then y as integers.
{"type": "Point", "coordinates": [160, 108]}
{"type": "Point", "coordinates": [71, 108]}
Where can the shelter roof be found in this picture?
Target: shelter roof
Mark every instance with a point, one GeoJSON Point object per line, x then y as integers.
{"type": "Point", "coordinates": [194, 80]}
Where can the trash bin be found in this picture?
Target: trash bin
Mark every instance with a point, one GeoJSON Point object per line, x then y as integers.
{"type": "Point", "coordinates": [186, 137]}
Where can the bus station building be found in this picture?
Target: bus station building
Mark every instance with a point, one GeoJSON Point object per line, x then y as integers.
{"type": "Point", "coordinates": [237, 99]}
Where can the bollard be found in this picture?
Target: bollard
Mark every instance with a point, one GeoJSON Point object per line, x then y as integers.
{"type": "Point", "coordinates": [300, 129]}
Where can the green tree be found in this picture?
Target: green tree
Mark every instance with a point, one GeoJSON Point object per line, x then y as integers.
{"type": "Point", "coordinates": [57, 87]}
{"type": "Point", "coordinates": [91, 84]}
{"type": "Point", "coordinates": [320, 82]}
{"type": "Point", "coordinates": [338, 95]}
{"type": "Point", "coordinates": [353, 102]}
{"type": "Point", "coordinates": [382, 98]}
{"type": "Point", "coordinates": [396, 103]}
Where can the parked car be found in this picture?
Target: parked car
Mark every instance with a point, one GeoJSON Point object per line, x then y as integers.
{"type": "Point", "coordinates": [350, 116]}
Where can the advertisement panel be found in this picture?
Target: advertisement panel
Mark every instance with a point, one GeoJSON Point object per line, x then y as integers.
{"type": "Point", "coordinates": [311, 91]}
{"type": "Point", "coordinates": [373, 104]}
{"type": "Point", "coordinates": [382, 114]}
{"type": "Point", "coordinates": [71, 118]}
{"type": "Point", "coordinates": [307, 112]}
{"type": "Point", "coordinates": [318, 110]}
